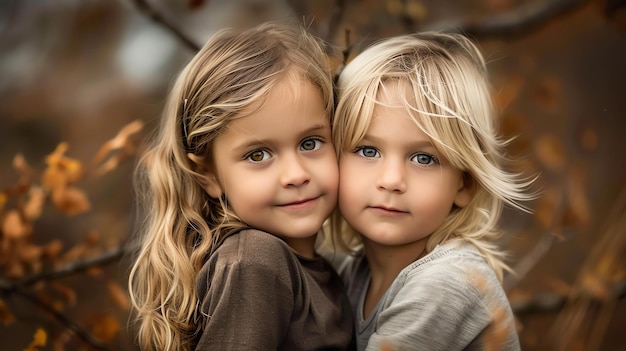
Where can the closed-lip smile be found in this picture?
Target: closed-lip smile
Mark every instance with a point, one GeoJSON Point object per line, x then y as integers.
{"type": "Point", "coordinates": [300, 203]}
{"type": "Point", "coordinates": [387, 209]}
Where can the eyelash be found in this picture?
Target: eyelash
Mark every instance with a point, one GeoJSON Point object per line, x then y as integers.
{"type": "Point", "coordinates": [360, 151]}
{"type": "Point", "coordinates": [264, 151]}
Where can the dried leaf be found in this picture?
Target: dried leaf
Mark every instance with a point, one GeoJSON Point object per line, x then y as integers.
{"type": "Point", "coordinates": [71, 201]}
{"type": "Point", "coordinates": [547, 207]}
{"type": "Point", "coordinates": [14, 226]}
{"type": "Point", "coordinates": [53, 249]}
{"type": "Point", "coordinates": [6, 317]}
{"type": "Point", "coordinates": [119, 295]}
{"type": "Point", "coordinates": [20, 164]}
{"type": "Point", "coordinates": [579, 210]}
{"type": "Point", "coordinates": [120, 141]}
{"type": "Point", "coordinates": [3, 200]}
{"type": "Point", "coordinates": [93, 238]}
{"type": "Point", "coordinates": [106, 328]}
{"type": "Point", "coordinates": [416, 10]}
{"type": "Point", "coordinates": [551, 152]}
{"type": "Point", "coordinates": [66, 292]}
{"type": "Point", "coordinates": [61, 170]}
{"type": "Point", "coordinates": [29, 253]}
{"type": "Point", "coordinates": [39, 340]}
{"type": "Point", "coordinates": [34, 205]}
{"type": "Point", "coordinates": [595, 286]}
{"type": "Point", "coordinates": [53, 178]}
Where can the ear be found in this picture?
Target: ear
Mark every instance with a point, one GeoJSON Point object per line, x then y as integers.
{"type": "Point", "coordinates": [212, 185]}
{"type": "Point", "coordinates": [465, 190]}
{"type": "Point", "coordinates": [207, 178]}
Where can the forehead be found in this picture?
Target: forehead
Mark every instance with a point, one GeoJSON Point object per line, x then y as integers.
{"type": "Point", "coordinates": [292, 104]}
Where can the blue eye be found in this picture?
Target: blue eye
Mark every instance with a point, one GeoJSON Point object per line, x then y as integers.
{"type": "Point", "coordinates": [311, 144]}
{"type": "Point", "coordinates": [424, 159]}
{"type": "Point", "coordinates": [367, 151]}
{"type": "Point", "coordinates": [258, 156]}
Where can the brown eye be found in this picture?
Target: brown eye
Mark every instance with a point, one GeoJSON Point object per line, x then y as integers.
{"type": "Point", "coordinates": [258, 156]}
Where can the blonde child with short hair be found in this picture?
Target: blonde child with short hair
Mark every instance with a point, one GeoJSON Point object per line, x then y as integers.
{"type": "Point", "coordinates": [235, 186]}
{"type": "Point", "coordinates": [421, 190]}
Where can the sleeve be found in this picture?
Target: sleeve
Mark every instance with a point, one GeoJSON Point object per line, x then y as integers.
{"type": "Point", "coordinates": [431, 313]}
{"type": "Point", "coordinates": [248, 299]}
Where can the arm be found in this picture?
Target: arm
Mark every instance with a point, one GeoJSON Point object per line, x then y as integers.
{"type": "Point", "coordinates": [247, 296]}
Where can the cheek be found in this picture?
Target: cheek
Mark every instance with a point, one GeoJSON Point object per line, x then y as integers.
{"type": "Point", "coordinates": [350, 189]}
{"type": "Point", "coordinates": [246, 192]}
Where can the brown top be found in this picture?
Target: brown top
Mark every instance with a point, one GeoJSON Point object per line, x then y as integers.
{"type": "Point", "coordinates": [257, 294]}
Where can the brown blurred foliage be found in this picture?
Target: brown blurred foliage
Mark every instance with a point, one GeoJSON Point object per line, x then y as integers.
{"type": "Point", "coordinates": [557, 69]}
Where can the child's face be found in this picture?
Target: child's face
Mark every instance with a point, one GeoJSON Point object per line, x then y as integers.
{"type": "Point", "coordinates": [277, 166]}
{"type": "Point", "coordinates": [395, 188]}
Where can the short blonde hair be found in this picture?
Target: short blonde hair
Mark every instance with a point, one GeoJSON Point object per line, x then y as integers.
{"type": "Point", "coordinates": [442, 80]}
{"type": "Point", "coordinates": [229, 77]}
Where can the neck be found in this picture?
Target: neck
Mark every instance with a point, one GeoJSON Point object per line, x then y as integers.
{"type": "Point", "coordinates": [386, 262]}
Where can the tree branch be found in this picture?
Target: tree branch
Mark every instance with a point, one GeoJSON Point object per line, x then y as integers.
{"type": "Point", "coordinates": [514, 24]}
{"type": "Point", "coordinates": [144, 7]}
{"type": "Point", "coordinates": [73, 326]}
{"type": "Point", "coordinates": [103, 259]}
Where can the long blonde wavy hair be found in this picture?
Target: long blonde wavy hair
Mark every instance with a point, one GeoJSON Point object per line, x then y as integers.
{"type": "Point", "coordinates": [181, 223]}
{"type": "Point", "coordinates": [443, 82]}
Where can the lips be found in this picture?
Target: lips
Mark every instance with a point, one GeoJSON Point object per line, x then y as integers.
{"type": "Point", "coordinates": [300, 203]}
{"type": "Point", "coordinates": [387, 210]}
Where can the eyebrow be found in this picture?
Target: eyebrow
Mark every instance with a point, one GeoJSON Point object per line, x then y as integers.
{"type": "Point", "coordinates": [258, 143]}
{"type": "Point", "coordinates": [415, 144]}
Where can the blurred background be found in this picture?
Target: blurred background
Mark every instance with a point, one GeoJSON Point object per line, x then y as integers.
{"type": "Point", "coordinates": [82, 83]}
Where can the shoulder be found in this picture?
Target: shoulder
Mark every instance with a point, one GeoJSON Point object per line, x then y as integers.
{"type": "Point", "coordinates": [254, 246]}
{"type": "Point", "coordinates": [248, 254]}
{"type": "Point", "coordinates": [454, 273]}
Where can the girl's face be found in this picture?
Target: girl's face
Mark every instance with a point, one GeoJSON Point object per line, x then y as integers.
{"type": "Point", "coordinates": [395, 188]}
{"type": "Point", "coordinates": [277, 166]}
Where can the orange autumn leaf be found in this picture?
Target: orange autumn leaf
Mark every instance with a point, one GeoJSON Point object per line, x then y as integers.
{"type": "Point", "coordinates": [39, 340]}
{"type": "Point", "coordinates": [68, 294]}
{"type": "Point", "coordinates": [20, 164]}
{"type": "Point", "coordinates": [595, 286]}
{"type": "Point", "coordinates": [119, 295]}
{"type": "Point", "coordinates": [14, 226]}
{"type": "Point", "coordinates": [30, 253]}
{"type": "Point", "coordinates": [551, 152]}
{"type": "Point", "coordinates": [3, 200]}
{"type": "Point", "coordinates": [53, 249]}
{"type": "Point", "coordinates": [547, 207]}
{"type": "Point", "coordinates": [71, 201]}
{"type": "Point", "coordinates": [106, 327]}
{"type": "Point", "coordinates": [61, 170]}
{"type": "Point", "coordinates": [121, 142]}
{"type": "Point", "coordinates": [32, 208]}
{"type": "Point", "coordinates": [579, 210]}
{"type": "Point", "coordinates": [6, 317]}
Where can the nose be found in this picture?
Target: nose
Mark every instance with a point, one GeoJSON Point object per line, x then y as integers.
{"type": "Point", "coordinates": [294, 171]}
{"type": "Point", "coordinates": [392, 175]}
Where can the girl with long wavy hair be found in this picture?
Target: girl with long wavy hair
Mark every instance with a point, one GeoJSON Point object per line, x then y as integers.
{"type": "Point", "coordinates": [235, 187]}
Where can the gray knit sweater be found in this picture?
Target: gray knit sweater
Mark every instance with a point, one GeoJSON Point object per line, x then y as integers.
{"type": "Point", "coordinates": [448, 300]}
